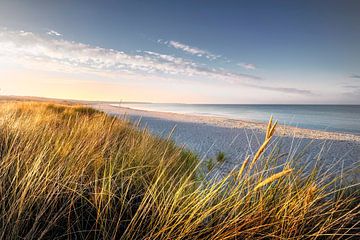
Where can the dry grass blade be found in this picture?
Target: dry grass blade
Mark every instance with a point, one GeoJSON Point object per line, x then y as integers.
{"type": "Point", "coordinates": [72, 172]}
{"type": "Point", "coordinates": [270, 130]}
{"type": "Point", "coordinates": [243, 166]}
{"type": "Point", "coordinates": [273, 178]}
{"type": "Point", "coordinates": [259, 152]}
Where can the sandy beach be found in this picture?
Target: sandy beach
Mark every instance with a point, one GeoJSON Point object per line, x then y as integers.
{"type": "Point", "coordinates": [208, 136]}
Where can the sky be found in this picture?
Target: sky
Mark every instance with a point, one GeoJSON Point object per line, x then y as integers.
{"type": "Point", "coordinates": [286, 52]}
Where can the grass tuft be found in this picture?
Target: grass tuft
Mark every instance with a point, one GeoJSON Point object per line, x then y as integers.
{"type": "Point", "coordinates": [220, 157]}
{"type": "Point", "coordinates": [72, 172]}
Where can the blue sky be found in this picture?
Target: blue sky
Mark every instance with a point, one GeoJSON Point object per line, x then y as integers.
{"type": "Point", "coordinates": [182, 51]}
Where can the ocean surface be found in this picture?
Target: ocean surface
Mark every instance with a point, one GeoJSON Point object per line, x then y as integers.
{"type": "Point", "coordinates": [337, 118]}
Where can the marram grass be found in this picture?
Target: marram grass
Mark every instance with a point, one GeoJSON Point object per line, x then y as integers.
{"type": "Point", "coordinates": [71, 172]}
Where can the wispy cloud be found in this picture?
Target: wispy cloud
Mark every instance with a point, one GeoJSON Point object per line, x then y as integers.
{"type": "Point", "coordinates": [203, 53]}
{"type": "Point", "coordinates": [355, 76]}
{"type": "Point", "coordinates": [57, 54]}
{"type": "Point", "coordinates": [351, 86]}
{"type": "Point", "coordinates": [54, 33]}
{"type": "Point", "coordinates": [190, 50]}
{"type": "Point", "coordinates": [248, 66]}
{"type": "Point", "coordinates": [62, 53]}
{"type": "Point", "coordinates": [351, 91]}
{"type": "Point", "coordinates": [288, 90]}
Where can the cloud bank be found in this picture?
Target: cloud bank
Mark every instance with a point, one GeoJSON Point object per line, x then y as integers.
{"type": "Point", "coordinates": [56, 54]}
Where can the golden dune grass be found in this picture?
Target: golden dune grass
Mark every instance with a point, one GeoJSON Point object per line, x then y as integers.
{"type": "Point", "coordinates": [273, 178]}
{"type": "Point", "coordinates": [71, 172]}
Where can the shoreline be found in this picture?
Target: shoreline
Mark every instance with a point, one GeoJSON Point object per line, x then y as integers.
{"type": "Point", "coordinates": [282, 130]}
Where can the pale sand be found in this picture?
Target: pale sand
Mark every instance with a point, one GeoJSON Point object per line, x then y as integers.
{"type": "Point", "coordinates": [232, 123]}
{"type": "Point", "coordinates": [207, 136]}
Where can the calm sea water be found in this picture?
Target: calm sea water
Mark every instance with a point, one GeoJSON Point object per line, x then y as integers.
{"type": "Point", "coordinates": [339, 118]}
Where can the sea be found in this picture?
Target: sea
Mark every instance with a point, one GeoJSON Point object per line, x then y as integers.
{"type": "Point", "coordinates": [336, 118]}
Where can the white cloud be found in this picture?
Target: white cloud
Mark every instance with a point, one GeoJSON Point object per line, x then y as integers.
{"type": "Point", "coordinates": [203, 53]}
{"type": "Point", "coordinates": [54, 33]}
{"type": "Point", "coordinates": [248, 66]}
{"type": "Point", "coordinates": [56, 54]}
{"type": "Point", "coordinates": [190, 50]}
{"type": "Point", "coordinates": [60, 53]}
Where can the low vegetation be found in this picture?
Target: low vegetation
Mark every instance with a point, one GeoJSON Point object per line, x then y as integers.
{"type": "Point", "coordinates": [72, 172]}
{"type": "Point", "coordinates": [220, 157]}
